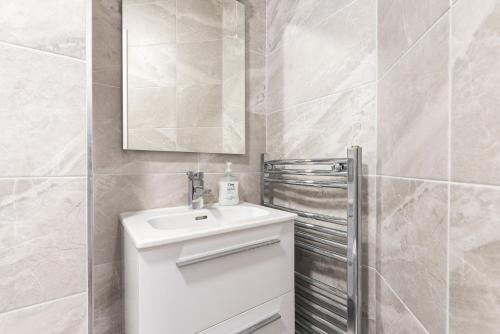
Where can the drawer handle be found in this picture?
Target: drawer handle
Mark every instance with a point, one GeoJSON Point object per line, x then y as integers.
{"type": "Point", "coordinates": [261, 324]}
{"type": "Point", "coordinates": [187, 261]}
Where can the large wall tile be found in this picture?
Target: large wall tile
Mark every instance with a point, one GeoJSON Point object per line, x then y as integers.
{"type": "Point", "coordinates": [413, 110]}
{"type": "Point", "coordinates": [394, 317]}
{"type": "Point", "coordinates": [474, 260]}
{"type": "Point", "coordinates": [323, 55]}
{"type": "Point", "coordinates": [42, 114]}
{"type": "Point", "coordinates": [115, 194]}
{"type": "Point", "coordinates": [67, 315]}
{"type": "Point", "coordinates": [287, 18]}
{"type": "Point", "coordinates": [43, 240]}
{"type": "Point", "coordinates": [108, 302]}
{"type": "Point", "coordinates": [401, 23]}
{"type": "Point", "coordinates": [39, 24]}
{"type": "Point", "coordinates": [369, 296]}
{"type": "Point", "coordinates": [255, 25]}
{"type": "Point", "coordinates": [255, 82]}
{"type": "Point", "coordinates": [475, 131]}
{"type": "Point", "coordinates": [107, 42]}
{"type": "Point", "coordinates": [326, 127]}
{"type": "Point", "coordinates": [412, 245]}
{"type": "Point", "coordinates": [369, 220]}
{"type": "Point", "coordinates": [109, 157]}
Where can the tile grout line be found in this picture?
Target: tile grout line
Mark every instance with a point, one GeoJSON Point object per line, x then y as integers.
{"type": "Point", "coordinates": [457, 183]}
{"type": "Point", "coordinates": [47, 302]}
{"type": "Point", "coordinates": [399, 299]}
{"type": "Point", "coordinates": [411, 47]}
{"type": "Point", "coordinates": [450, 111]}
{"type": "Point", "coordinates": [35, 50]}
{"type": "Point", "coordinates": [338, 92]}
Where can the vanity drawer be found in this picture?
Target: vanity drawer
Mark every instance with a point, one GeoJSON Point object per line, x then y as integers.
{"type": "Point", "coordinates": [273, 317]}
{"type": "Point", "coordinates": [189, 286]}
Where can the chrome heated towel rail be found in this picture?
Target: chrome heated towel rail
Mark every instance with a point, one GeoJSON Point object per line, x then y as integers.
{"type": "Point", "coordinates": [319, 307]}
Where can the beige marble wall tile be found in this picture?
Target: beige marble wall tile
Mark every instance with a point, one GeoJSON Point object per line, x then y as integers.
{"type": "Point", "coordinates": [109, 157]}
{"type": "Point", "coordinates": [115, 194]}
{"type": "Point", "coordinates": [326, 127]}
{"type": "Point", "coordinates": [42, 114]}
{"type": "Point", "coordinates": [150, 23]}
{"type": "Point", "coordinates": [67, 315]}
{"type": "Point", "coordinates": [108, 302]}
{"type": "Point", "coordinates": [475, 144]}
{"type": "Point", "coordinates": [369, 296]}
{"type": "Point", "coordinates": [255, 89]}
{"type": "Point", "coordinates": [255, 25]}
{"type": "Point", "coordinates": [199, 20]}
{"type": "Point", "coordinates": [43, 232]}
{"type": "Point", "coordinates": [401, 23]}
{"type": "Point", "coordinates": [107, 42]}
{"type": "Point", "coordinates": [297, 72]}
{"type": "Point", "coordinates": [152, 107]}
{"type": "Point", "coordinates": [369, 221]}
{"type": "Point", "coordinates": [412, 245]}
{"type": "Point", "coordinates": [474, 259]}
{"type": "Point", "coordinates": [248, 162]}
{"type": "Point", "coordinates": [39, 25]}
{"type": "Point", "coordinates": [393, 316]}
{"type": "Point", "coordinates": [287, 18]}
{"type": "Point", "coordinates": [413, 110]}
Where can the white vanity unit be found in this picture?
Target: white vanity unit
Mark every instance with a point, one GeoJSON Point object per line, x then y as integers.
{"type": "Point", "coordinates": [221, 270]}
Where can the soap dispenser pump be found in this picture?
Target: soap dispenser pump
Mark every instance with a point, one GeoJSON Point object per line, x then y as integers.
{"type": "Point", "coordinates": [228, 188]}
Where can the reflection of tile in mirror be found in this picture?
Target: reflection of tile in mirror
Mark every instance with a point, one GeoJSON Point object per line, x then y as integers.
{"type": "Point", "coordinates": [199, 63]}
{"type": "Point", "coordinates": [199, 20]}
{"type": "Point", "coordinates": [199, 105]}
{"type": "Point", "coordinates": [151, 66]}
{"type": "Point", "coordinates": [199, 139]}
{"type": "Point", "coordinates": [150, 23]}
{"type": "Point", "coordinates": [152, 107]}
{"type": "Point", "coordinates": [152, 139]}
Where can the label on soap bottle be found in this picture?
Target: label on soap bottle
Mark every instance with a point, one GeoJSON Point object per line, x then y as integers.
{"type": "Point", "coordinates": [228, 193]}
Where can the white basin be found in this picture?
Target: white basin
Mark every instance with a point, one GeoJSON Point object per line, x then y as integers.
{"type": "Point", "coordinates": [163, 226]}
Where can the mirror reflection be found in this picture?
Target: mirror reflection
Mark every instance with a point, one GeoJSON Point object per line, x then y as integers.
{"type": "Point", "coordinates": [184, 75]}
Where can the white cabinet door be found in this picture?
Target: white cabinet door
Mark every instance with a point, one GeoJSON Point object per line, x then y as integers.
{"type": "Point", "coordinates": [273, 317]}
{"type": "Point", "coordinates": [187, 287]}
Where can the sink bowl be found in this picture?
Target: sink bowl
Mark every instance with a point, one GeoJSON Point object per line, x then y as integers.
{"type": "Point", "coordinates": [163, 226]}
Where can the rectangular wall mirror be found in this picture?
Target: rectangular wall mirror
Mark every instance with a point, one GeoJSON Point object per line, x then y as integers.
{"type": "Point", "coordinates": [184, 75]}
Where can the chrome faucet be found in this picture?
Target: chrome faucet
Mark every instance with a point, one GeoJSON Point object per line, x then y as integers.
{"type": "Point", "coordinates": [196, 190]}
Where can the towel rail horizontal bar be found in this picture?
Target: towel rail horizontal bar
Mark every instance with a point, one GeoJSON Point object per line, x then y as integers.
{"type": "Point", "coordinates": [320, 251]}
{"type": "Point", "coordinates": [325, 287]}
{"type": "Point", "coordinates": [309, 183]}
{"type": "Point", "coordinates": [307, 326]}
{"type": "Point", "coordinates": [310, 215]}
{"type": "Point", "coordinates": [320, 310]}
{"type": "Point", "coordinates": [306, 162]}
{"type": "Point", "coordinates": [311, 294]}
{"type": "Point", "coordinates": [323, 241]}
{"type": "Point", "coordinates": [306, 172]}
{"type": "Point", "coordinates": [341, 302]}
{"type": "Point", "coordinates": [312, 317]}
{"type": "Point", "coordinates": [321, 229]}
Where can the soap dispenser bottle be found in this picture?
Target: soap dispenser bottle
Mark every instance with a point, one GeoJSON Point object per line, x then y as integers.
{"type": "Point", "coordinates": [228, 188]}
